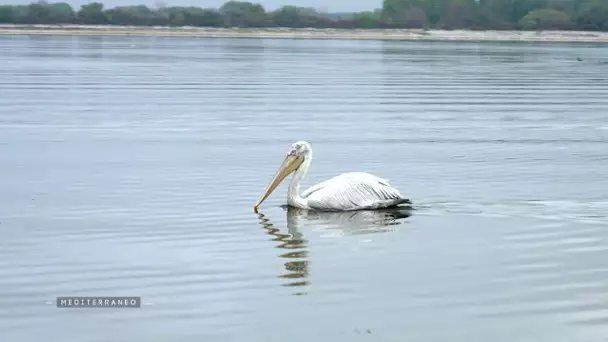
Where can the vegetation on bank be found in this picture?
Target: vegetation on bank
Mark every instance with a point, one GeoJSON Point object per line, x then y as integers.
{"type": "Point", "coordinates": [587, 15]}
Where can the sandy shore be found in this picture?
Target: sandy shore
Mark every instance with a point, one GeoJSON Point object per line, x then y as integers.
{"type": "Point", "coordinates": [375, 34]}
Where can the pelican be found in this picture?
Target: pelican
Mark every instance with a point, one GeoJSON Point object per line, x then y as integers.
{"type": "Point", "coordinates": [346, 192]}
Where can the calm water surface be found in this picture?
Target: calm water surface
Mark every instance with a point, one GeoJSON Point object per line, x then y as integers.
{"type": "Point", "coordinates": [129, 166]}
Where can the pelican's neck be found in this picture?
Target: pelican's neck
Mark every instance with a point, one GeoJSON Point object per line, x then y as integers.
{"type": "Point", "coordinates": [293, 194]}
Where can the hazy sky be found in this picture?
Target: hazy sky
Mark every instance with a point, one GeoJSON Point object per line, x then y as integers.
{"type": "Point", "coordinates": [331, 6]}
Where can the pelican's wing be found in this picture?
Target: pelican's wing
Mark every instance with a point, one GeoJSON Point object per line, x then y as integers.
{"type": "Point", "coordinates": [317, 187]}
{"type": "Point", "coordinates": [353, 191]}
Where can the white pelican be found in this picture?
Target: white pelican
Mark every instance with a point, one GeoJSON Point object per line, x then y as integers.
{"type": "Point", "coordinates": [345, 192]}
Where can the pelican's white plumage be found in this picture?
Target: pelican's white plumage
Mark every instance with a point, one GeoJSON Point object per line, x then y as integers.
{"type": "Point", "coordinates": [345, 192]}
{"type": "Point", "coordinates": [352, 191]}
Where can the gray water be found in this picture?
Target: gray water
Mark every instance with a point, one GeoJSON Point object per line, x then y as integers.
{"type": "Point", "coordinates": [130, 166]}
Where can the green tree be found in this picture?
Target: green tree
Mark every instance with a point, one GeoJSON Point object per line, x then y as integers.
{"type": "Point", "coordinates": [406, 13]}
{"type": "Point", "coordinates": [368, 19]}
{"type": "Point", "coordinates": [458, 14]}
{"type": "Point", "coordinates": [91, 14]}
{"type": "Point", "coordinates": [415, 18]}
{"type": "Point", "coordinates": [510, 11]}
{"type": "Point", "coordinates": [191, 16]}
{"type": "Point", "coordinates": [432, 8]}
{"type": "Point", "coordinates": [446, 14]}
{"type": "Point", "coordinates": [394, 11]}
{"type": "Point", "coordinates": [592, 15]}
{"type": "Point", "coordinates": [545, 19]}
{"type": "Point", "coordinates": [293, 16]}
{"type": "Point", "coordinates": [566, 6]}
{"type": "Point", "coordinates": [61, 13]}
{"type": "Point", "coordinates": [7, 14]}
{"type": "Point", "coordinates": [37, 13]}
{"type": "Point", "coordinates": [243, 14]}
{"type": "Point", "coordinates": [133, 15]}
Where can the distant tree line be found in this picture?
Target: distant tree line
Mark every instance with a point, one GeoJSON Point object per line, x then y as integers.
{"type": "Point", "coordinates": [589, 15]}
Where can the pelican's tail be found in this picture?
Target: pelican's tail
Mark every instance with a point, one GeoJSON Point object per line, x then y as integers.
{"type": "Point", "coordinates": [398, 203]}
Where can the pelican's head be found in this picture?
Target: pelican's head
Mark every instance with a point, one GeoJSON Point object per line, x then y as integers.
{"type": "Point", "coordinates": [299, 148]}
{"type": "Point", "coordinates": [297, 153]}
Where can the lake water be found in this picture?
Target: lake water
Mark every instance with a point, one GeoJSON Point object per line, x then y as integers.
{"type": "Point", "coordinates": [130, 166]}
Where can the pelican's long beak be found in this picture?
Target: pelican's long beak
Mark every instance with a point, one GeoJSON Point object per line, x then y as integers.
{"type": "Point", "coordinates": [290, 164]}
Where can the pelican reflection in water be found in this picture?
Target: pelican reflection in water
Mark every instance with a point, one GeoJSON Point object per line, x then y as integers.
{"type": "Point", "coordinates": [297, 251]}
{"type": "Point", "coordinates": [347, 222]}
{"type": "Point", "coordinates": [346, 192]}
{"type": "Point", "coordinates": [350, 223]}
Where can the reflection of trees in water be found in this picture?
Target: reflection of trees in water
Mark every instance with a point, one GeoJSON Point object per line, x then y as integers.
{"type": "Point", "coordinates": [130, 49]}
{"type": "Point", "coordinates": [410, 54]}
{"type": "Point", "coordinates": [247, 51]}
{"type": "Point", "coordinates": [90, 47]}
{"type": "Point", "coordinates": [451, 54]}
{"type": "Point", "coordinates": [349, 223]}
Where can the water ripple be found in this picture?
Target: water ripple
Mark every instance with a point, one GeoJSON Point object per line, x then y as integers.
{"type": "Point", "coordinates": [130, 166]}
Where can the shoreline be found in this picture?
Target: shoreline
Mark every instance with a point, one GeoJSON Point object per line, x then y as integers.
{"type": "Point", "coordinates": [305, 33]}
